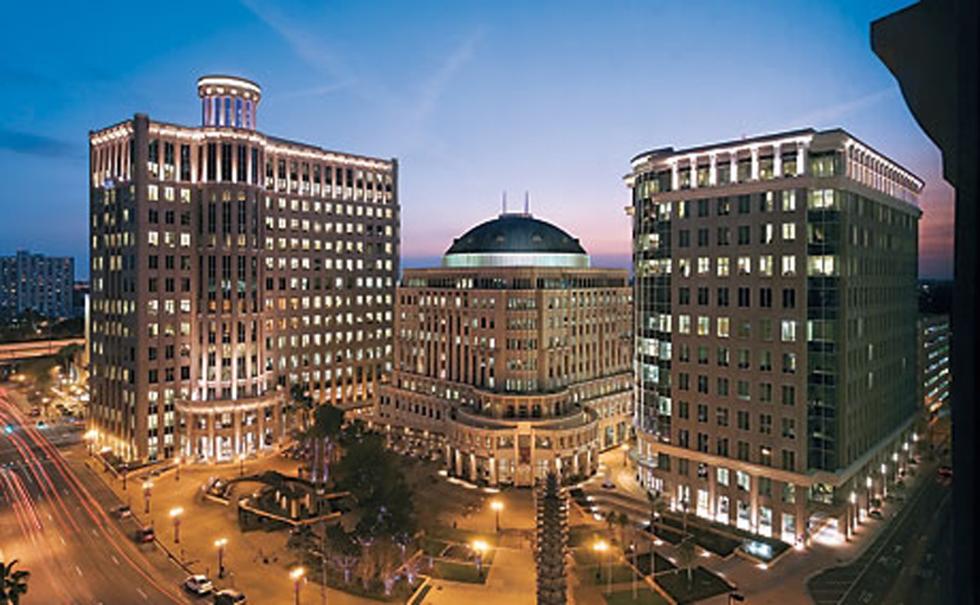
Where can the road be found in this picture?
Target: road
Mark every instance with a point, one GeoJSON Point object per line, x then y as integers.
{"type": "Point", "coordinates": [887, 571]}
{"type": "Point", "coordinates": [57, 528]}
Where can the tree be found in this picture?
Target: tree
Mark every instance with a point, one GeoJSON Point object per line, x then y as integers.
{"type": "Point", "coordinates": [344, 551]}
{"type": "Point", "coordinates": [687, 556]}
{"type": "Point", "coordinates": [658, 506]}
{"type": "Point", "coordinates": [321, 438]}
{"type": "Point", "coordinates": [13, 584]}
{"type": "Point", "coordinates": [622, 522]}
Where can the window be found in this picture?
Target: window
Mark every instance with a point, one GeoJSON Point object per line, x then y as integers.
{"type": "Point", "coordinates": [765, 361]}
{"type": "Point", "coordinates": [702, 443]}
{"type": "Point", "coordinates": [684, 266]}
{"type": "Point", "coordinates": [723, 357]}
{"type": "Point", "coordinates": [744, 296]}
{"type": "Point", "coordinates": [744, 265]}
{"type": "Point", "coordinates": [789, 363]}
{"type": "Point", "coordinates": [789, 298]}
{"type": "Point", "coordinates": [743, 359]}
{"type": "Point", "coordinates": [721, 416]}
{"type": "Point", "coordinates": [702, 238]}
{"type": "Point", "coordinates": [822, 199]}
{"type": "Point", "coordinates": [722, 297]}
{"type": "Point", "coordinates": [789, 232]}
{"type": "Point", "coordinates": [683, 238]}
{"type": "Point", "coordinates": [789, 395]}
{"type": "Point", "coordinates": [789, 265]}
{"type": "Point", "coordinates": [703, 296]}
{"type": "Point", "coordinates": [742, 390]}
{"type": "Point", "coordinates": [704, 265]}
{"type": "Point", "coordinates": [744, 235]}
{"type": "Point", "coordinates": [723, 266]}
{"type": "Point", "coordinates": [682, 410]}
{"type": "Point", "coordinates": [765, 424]}
{"type": "Point", "coordinates": [684, 296]}
{"type": "Point", "coordinates": [766, 234]}
{"type": "Point", "coordinates": [703, 355]}
{"type": "Point", "coordinates": [789, 460]}
{"type": "Point", "coordinates": [744, 204]}
{"type": "Point", "coordinates": [765, 392]}
{"type": "Point", "coordinates": [765, 265]}
{"type": "Point", "coordinates": [743, 420]}
{"type": "Point", "coordinates": [684, 324]}
{"type": "Point", "coordinates": [702, 412]}
{"type": "Point", "coordinates": [723, 327]}
{"type": "Point", "coordinates": [702, 384]}
{"type": "Point", "coordinates": [765, 298]}
{"type": "Point", "coordinates": [789, 428]}
{"type": "Point", "coordinates": [704, 325]}
{"type": "Point", "coordinates": [724, 206]}
{"type": "Point", "coordinates": [702, 208]}
{"type": "Point", "coordinates": [724, 235]}
{"type": "Point", "coordinates": [765, 459]}
{"type": "Point", "coordinates": [789, 200]}
{"type": "Point", "coordinates": [742, 479]}
{"type": "Point", "coordinates": [722, 386]}
{"type": "Point", "coordinates": [743, 451]}
{"type": "Point", "coordinates": [722, 476]}
{"type": "Point", "coordinates": [788, 333]}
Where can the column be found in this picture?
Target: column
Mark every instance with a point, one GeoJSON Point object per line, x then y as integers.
{"type": "Point", "coordinates": [472, 469]}
{"type": "Point", "coordinates": [575, 464]}
{"type": "Point", "coordinates": [801, 516]}
{"type": "Point", "coordinates": [213, 455]}
{"type": "Point", "coordinates": [236, 418]}
{"type": "Point", "coordinates": [754, 504]}
{"type": "Point", "coordinates": [694, 171]}
{"type": "Point", "coordinates": [675, 177]}
{"type": "Point", "coordinates": [712, 492]}
{"type": "Point", "coordinates": [713, 170]}
{"type": "Point", "coordinates": [260, 426]}
{"type": "Point", "coordinates": [458, 466]}
{"type": "Point", "coordinates": [492, 461]}
{"type": "Point", "coordinates": [800, 159]}
{"type": "Point", "coordinates": [733, 167]}
{"type": "Point", "coordinates": [755, 164]}
{"type": "Point", "coordinates": [777, 162]}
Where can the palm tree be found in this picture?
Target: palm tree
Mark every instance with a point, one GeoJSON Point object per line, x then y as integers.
{"type": "Point", "coordinates": [658, 505]}
{"type": "Point", "coordinates": [13, 584]}
{"type": "Point", "coordinates": [687, 556]}
{"type": "Point", "coordinates": [322, 436]}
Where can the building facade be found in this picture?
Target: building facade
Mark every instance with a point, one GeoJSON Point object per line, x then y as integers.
{"type": "Point", "coordinates": [38, 283]}
{"type": "Point", "coordinates": [513, 358]}
{"type": "Point", "coordinates": [933, 363]}
{"type": "Point", "coordinates": [226, 266]}
{"type": "Point", "coordinates": [775, 328]}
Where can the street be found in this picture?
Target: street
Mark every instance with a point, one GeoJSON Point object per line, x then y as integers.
{"type": "Point", "coordinates": [54, 525]}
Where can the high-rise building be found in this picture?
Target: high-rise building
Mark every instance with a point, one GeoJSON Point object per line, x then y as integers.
{"type": "Point", "coordinates": [513, 358]}
{"type": "Point", "coordinates": [226, 266]}
{"type": "Point", "coordinates": [933, 362]}
{"type": "Point", "coordinates": [775, 299]}
{"type": "Point", "coordinates": [38, 283]}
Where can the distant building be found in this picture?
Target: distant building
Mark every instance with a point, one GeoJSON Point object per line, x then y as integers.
{"type": "Point", "coordinates": [79, 293]}
{"type": "Point", "coordinates": [227, 266]}
{"type": "Point", "coordinates": [38, 283]}
{"type": "Point", "coordinates": [776, 350]}
{"type": "Point", "coordinates": [933, 362]}
{"type": "Point", "coordinates": [512, 359]}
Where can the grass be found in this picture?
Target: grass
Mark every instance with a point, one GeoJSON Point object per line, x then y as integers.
{"type": "Point", "coordinates": [620, 573]}
{"type": "Point", "coordinates": [459, 572]}
{"type": "Point", "coordinates": [644, 596]}
{"type": "Point", "coordinates": [663, 564]}
{"type": "Point", "coordinates": [704, 584]}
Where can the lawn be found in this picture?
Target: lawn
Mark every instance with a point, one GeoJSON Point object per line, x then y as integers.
{"type": "Point", "coordinates": [663, 564]}
{"type": "Point", "coordinates": [459, 572]}
{"type": "Point", "coordinates": [704, 585]}
{"type": "Point", "coordinates": [598, 574]}
{"type": "Point", "coordinates": [644, 596]}
{"type": "Point", "coordinates": [433, 547]}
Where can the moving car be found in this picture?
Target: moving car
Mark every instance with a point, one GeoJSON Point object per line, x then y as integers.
{"type": "Point", "coordinates": [229, 596]}
{"type": "Point", "coordinates": [146, 534]}
{"type": "Point", "coordinates": [198, 584]}
{"type": "Point", "coordinates": [122, 512]}
{"type": "Point", "coordinates": [876, 514]}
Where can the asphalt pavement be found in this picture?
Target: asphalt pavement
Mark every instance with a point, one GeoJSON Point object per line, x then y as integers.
{"type": "Point", "coordinates": [57, 528]}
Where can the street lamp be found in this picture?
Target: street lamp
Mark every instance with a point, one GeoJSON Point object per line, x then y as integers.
{"type": "Point", "coordinates": [220, 545]}
{"type": "Point", "coordinates": [241, 465]}
{"type": "Point", "coordinates": [175, 514]}
{"type": "Point", "coordinates": [297, 575]}
{"type": "Point", "coordinates": [496, 506]}
{"type": "Point", "coordinates": [603, 547]}
{"type": "Point", "coordinates": [479, 547]}
{"type": "Point", "coordinates": [90, 436]}
{"type": "Point", "coordinates": [147, 490]}
{"type": "Point", "coordinates": [177, 461]}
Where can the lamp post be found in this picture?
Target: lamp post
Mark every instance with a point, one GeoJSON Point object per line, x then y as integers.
{"type": "Point", "coordinates": [479, 547]}
{"type": "Point", "coordinates": [147, 491]}
{"type": "Point", "coordinates": [603, 547]}
{"type": "Point", "coordinates": [297, 576]}
{"type": "Point", "coordinates": [220, 545]}
{"type": "Point", "coordinates": [175, 514]}
{"type": "Point", "coordinates": [177, 476]}
{"type": "Point", "coordinates": [496, 506]}
{"type": "Point", "coordinates": [241, 465]}
{"type": "Point", "coordinates": [90, 436]}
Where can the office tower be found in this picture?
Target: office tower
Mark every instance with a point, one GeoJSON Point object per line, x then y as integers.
{"type": "Point", "coordinates": [38, 283]}
{"type": "Point", "coordinates": [775, 299]}
{"type": "Point", "coordinates": [933, 362]}
{"type": "Point", "coordinates": [512, 359]}
{"type": "Point", "coordinates": [227, 266]}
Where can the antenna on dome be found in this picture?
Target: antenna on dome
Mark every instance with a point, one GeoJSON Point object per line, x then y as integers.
{"type": "Point", "coordinates": [504, 203]}
{"type": "Point", "coordinates": [527, 203]}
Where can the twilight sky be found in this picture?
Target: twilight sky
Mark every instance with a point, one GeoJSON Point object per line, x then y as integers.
{"type": "Point", "coordinates": [473, 99]}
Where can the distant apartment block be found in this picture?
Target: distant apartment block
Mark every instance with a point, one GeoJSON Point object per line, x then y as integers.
{"type": "Point", "coordinates": [513, 358]}
{"type": "Point", "coordinates": [38, 283]}
{"type": "Point", "coordinates": [775, 302]}
{"type": "Point", "coordinates": [226, 266]}
{"type": "Point", "coordinates": [934, 373]}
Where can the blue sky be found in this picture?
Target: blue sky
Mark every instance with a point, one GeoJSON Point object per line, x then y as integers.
{"type": "Point", "coordinates": [553, 98]}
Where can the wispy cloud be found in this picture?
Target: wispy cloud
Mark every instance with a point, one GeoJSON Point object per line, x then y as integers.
{"type": "Point", "coordinates": [436, 85]}
{"type": "Point", "coordinates": [832, 114]}
{"type": "Point", "coordinates": [315, 91]}
{"type": "Point", "coordinates": [37, 144]}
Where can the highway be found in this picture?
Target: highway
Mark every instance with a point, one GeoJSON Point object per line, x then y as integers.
{"type": "Point", "coordinates": [56, 526]}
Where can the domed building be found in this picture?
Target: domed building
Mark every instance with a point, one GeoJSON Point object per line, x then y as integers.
{"type": "Point", "coordinates": [513, 358]}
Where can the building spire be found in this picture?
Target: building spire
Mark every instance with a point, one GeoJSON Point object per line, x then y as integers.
{"type": "Point", "coordinates": [527, 203]}
{"type": "Point", "coordinates": [504, 203]}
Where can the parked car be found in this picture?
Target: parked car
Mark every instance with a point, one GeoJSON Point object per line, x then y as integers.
{"type": "Point", "coordinates": [229, 596]}
{"type": "Point", "coordinates": [876, 514]}
{"type": "Point", "coordinates": [122, 512]}
{"type": "Point", "coordinates": [198, 584]}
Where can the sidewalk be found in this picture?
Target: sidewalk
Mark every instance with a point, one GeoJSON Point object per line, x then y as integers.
{"type": "Point", "coordinates": [256, 563]}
